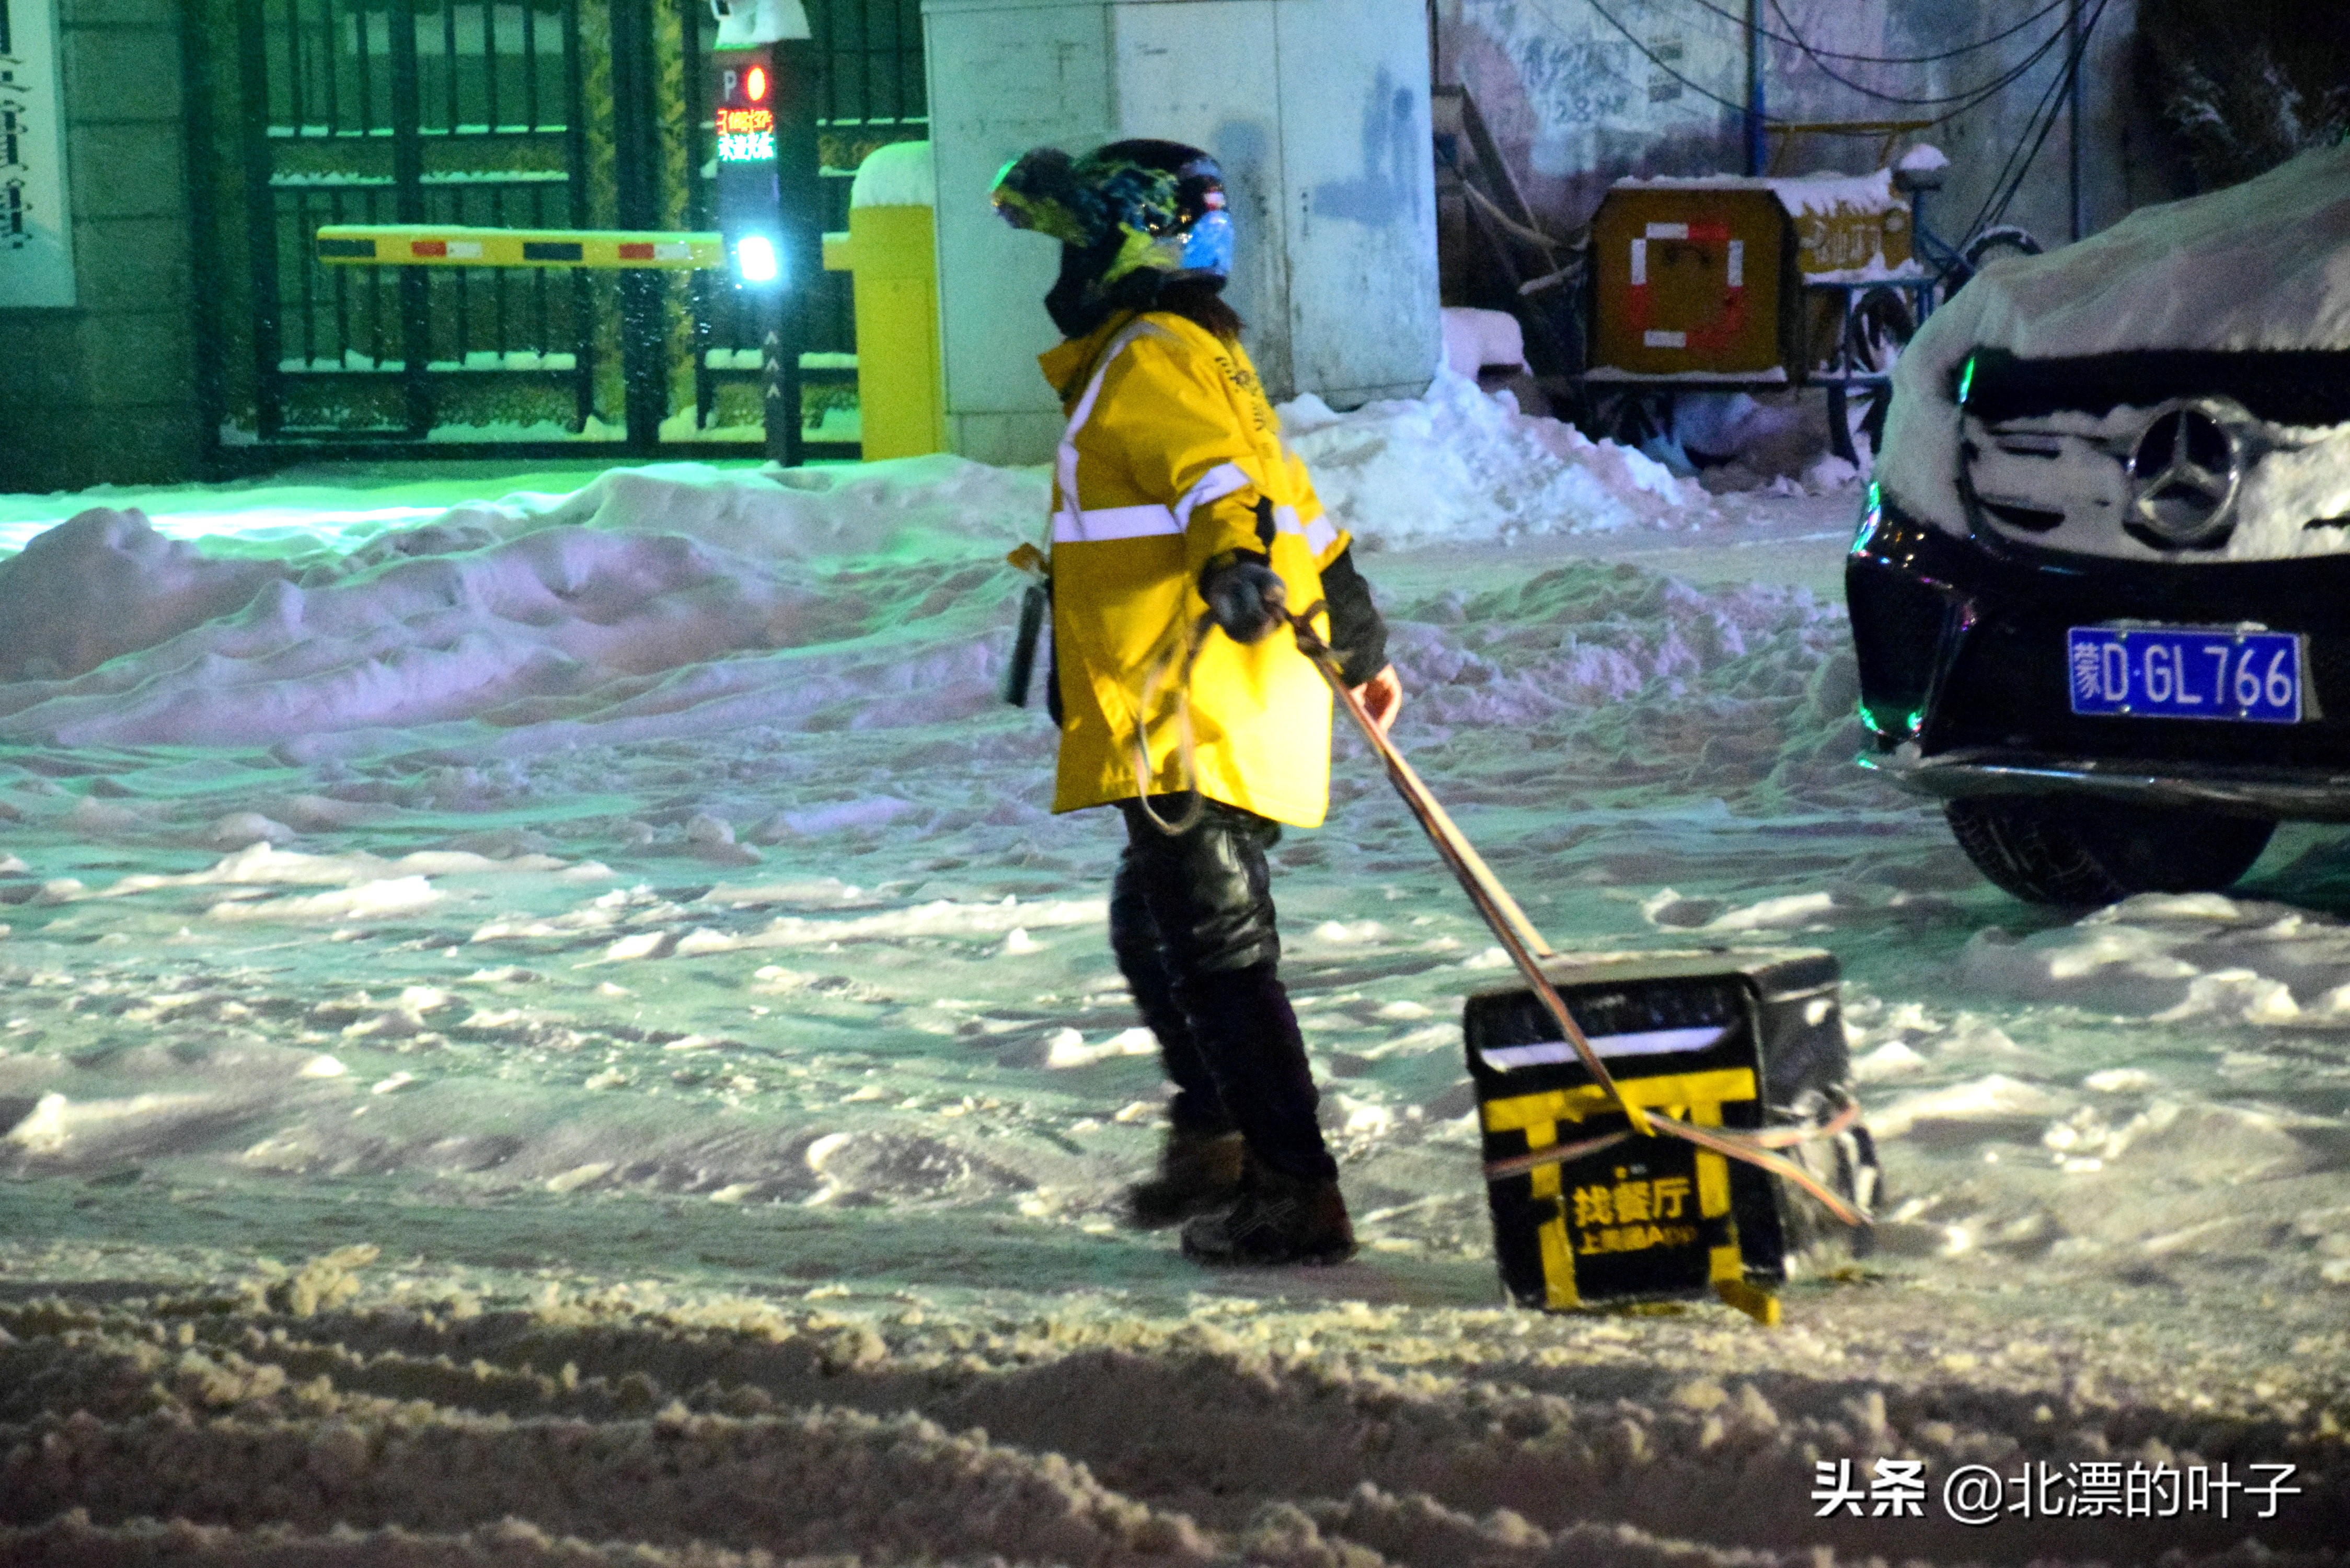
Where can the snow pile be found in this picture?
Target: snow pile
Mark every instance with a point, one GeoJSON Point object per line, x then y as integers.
{"type": "Point", "coordinates": [678, 600]}
{"type": "Point", "coordinates": [2175, 957]}
{"type": "Point", "coordinates": [662, 600]}
{"type": "Point", "coordinates": [1583, 638]}
{"type": "Point", "coordinates": [905, 509]}
{"type": "Point", "coordinates": [106, 582]}
{"type": "Point", "coordinates": [1458, 465]}
{"type": "Point", "coordinates": [276, 521]}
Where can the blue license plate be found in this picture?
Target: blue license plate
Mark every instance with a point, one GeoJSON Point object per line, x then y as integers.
{"type": "Point", "coordinates": [2185, 672]}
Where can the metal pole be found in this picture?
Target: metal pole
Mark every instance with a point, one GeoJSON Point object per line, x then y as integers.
{"type": "Point", "coordinates": [408, 207]}
{"type": "Point", "coordinates": [574, 155]}
{"type": "Point", "coordinates": [261, 217]}
{"type": "Point", "coordinates": [800, 246]}
{"type": "Point", "coordinates": [700, 155]}
{"type": "Point", "coordinates": [2073, 112]}
{"type": "Point", "coordinates": [636, 156]}
{"type": "Point", "coordinates": [196, 75]}
{"type": "Point", "coordinates": [779, 362]}
{"type": "Point", "coordinates": [1757, 154]}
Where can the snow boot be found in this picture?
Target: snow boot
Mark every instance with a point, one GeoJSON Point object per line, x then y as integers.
{"type": "Point", "coordinates": [1279, 1219]}
{"type": "Point", "coordinates": [1197, 1172]}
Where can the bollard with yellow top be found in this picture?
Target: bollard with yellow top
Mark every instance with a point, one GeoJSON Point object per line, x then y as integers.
{"type": "Point", "coordinates": [889, 254]}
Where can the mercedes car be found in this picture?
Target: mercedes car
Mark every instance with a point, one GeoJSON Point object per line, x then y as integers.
{"type": "Point", "coordinates": [2100, 593]}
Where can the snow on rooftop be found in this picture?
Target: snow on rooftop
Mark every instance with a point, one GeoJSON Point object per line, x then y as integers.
{"type": "Point", "coordinates": [1804, 195]}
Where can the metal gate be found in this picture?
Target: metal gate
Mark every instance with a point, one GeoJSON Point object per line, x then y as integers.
{"type": "Point", "coordinates": [502, 113]}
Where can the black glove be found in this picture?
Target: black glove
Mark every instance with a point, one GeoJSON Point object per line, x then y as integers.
{"type": "Point", "coordinates": [1246, 597]}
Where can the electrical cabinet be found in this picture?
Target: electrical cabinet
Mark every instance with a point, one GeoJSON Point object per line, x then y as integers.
{"type": "Point", "coordinates": [1319, 111]}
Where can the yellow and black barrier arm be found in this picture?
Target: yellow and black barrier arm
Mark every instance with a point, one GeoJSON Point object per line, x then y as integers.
{"type": "Point", "coordinates": [446, 245]}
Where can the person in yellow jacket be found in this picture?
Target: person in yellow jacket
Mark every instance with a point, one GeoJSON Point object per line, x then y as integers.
{"type": "Point", "coordinates": [1184, 534]}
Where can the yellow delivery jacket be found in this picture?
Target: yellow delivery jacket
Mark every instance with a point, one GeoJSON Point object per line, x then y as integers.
{"type": "Point", "coordinates": [1170, 448]}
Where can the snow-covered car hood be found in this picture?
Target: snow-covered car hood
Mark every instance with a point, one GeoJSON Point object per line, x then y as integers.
{"type": "Point", "coordinates": [2260, 266]}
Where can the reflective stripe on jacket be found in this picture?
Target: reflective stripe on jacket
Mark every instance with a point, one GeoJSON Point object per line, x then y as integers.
{"type": "Point", "coordinates": [1169, 450]}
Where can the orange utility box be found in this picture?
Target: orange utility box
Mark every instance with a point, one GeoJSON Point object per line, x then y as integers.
{"type": "Point", "coordinates": [1704, 279]}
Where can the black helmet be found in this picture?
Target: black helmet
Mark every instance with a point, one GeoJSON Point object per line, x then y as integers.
{"type": "Point", "coordinates": [1131, 217]}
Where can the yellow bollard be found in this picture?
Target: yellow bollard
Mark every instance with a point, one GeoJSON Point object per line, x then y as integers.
{"type": "Point", "coordinates": [889, 253]}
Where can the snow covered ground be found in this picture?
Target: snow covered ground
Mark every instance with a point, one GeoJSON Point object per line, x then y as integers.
{"type": "Point", "coordinates": [543, 1019]}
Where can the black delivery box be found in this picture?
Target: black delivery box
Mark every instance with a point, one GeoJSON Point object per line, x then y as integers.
{"type": "Point", "coordinates": [1731, 1039]}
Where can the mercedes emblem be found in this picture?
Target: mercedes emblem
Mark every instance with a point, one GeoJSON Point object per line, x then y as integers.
{"type": "Point", "coordinates": [2185, 471]}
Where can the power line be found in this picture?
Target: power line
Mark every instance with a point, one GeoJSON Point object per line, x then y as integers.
{"type": "Point", "coordinates": [2011, 174]}
{"type": "Point", "coordinates": [1657, 60]}
{"type": "Point", "coordinates": [1990, 213]}
{"type": "Point", "coordinates": [2003, 80]}
{"type": "Point", "coordinates": [1794, 40]}
{"type": "Point", "coordinates": [1993, 89]}
{"type": "Point", "coordinates": [1978, 98]}
{"type": "Point", "coordinates": [2001, 86]}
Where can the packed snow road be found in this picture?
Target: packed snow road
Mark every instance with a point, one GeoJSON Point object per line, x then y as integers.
{"type": "Point", "coordinates": [562, 1031]}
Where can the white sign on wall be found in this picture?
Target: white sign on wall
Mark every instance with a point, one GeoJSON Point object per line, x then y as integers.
{"type": "Point", "coordinates": [1602, 77]}
{"type": "Point", "coordinates": [35, 224]}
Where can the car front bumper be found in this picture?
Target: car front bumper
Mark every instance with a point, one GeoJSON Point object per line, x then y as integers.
{"type": "Point", "coordinates": [2277, 794]}
{"type": "Point", "coordinates": [1965, 684]}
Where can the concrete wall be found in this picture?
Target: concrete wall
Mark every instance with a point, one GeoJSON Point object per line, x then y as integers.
{"type": "Point", "coordinates": [1574, 103]}
{"type": "Point", "coordinates": [105, 391]}
{"type": "Point", "coordinates": [1317, 111]}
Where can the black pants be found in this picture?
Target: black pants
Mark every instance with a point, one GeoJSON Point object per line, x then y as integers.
{"type": "Point", "coordinates": [1191, 922]}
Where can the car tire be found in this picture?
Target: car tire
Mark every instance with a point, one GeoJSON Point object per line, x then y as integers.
{"type": "Point", "coordinates": [2079, 855]}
